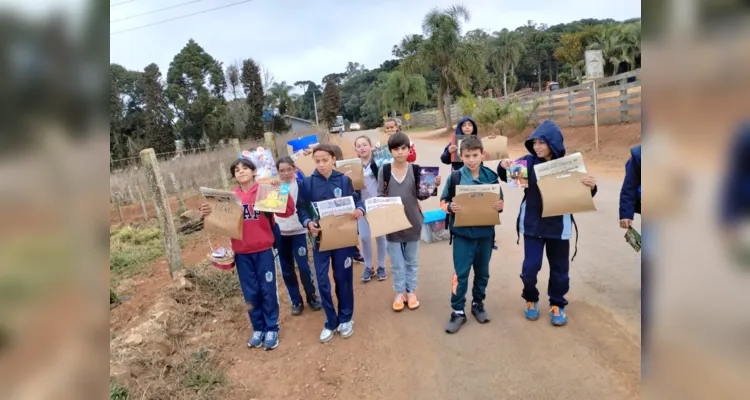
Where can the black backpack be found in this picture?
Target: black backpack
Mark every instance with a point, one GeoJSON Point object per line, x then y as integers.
{"type": "Point", "coordinates": [455, 180]}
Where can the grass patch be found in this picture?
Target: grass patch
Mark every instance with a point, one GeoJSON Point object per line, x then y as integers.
{"type": "Point", "coordinates": [118, 392]}
{"type": "Point", "coordinates": [202, 373]}
{"type": "Point", "coordinates": [131, 249]}
{"type": "Point", "coordinates": [417, 128]}
{"type": "Point", "coordinates": [216, 284]}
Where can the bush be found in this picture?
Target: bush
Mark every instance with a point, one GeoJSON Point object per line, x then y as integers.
{"type": "Point", "coordinates": [131, 249]}
{"type": "Point", "coordinates": [468, 103]}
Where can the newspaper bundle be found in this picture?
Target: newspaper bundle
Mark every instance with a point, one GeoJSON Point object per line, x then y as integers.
{"type": "Point", "coordinates": [567, 164]}
{"type": "Point", "coordinates": [470, 189]}
{"type": "Point", "coordinates": [352, 161]}
{"type": "Point", "coordinates": [341, 205]}
{"type": "Point", "coordinates": [378, 202]}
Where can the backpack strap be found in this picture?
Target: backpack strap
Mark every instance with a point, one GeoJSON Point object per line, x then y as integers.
{"type": "Point", "coordinates": [374, 168]}
{"type": "Point", "coordinates": [386, 178]}
{"type": "Point", "coordinates": [455, 179]}
{"type": "Point", "coordinates": [575, 251]}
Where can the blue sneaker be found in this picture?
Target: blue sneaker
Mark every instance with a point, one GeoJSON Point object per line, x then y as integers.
{"type": "Point", "coordinates": [532, 311]}
{"type": "Point", "coordinates": [256, 340]}
{"type": "Point", "coordinates": [381, 274]}
{"type": "Point", "coordinates": [557, 316]}
{"type": "Point", "coordinates": [367, 275]}
{"type": "Point", "coordinates": [272, 340]}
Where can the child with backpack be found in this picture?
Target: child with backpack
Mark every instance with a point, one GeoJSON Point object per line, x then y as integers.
{"type": "Point", "coordinates": [540, 233]}
{"type": "Point", "coordinates": [363, 145]}
{"type": "Point", "coordinates": [291, 243]}
{"type": "Point", "coordinates": [472, 246]}
{"type": "Point", "coordinates": [401, 179]}
{"type": "Point", "coordinates": [327, 184]}
{"type": "Point", "coordinates": [256, 268]}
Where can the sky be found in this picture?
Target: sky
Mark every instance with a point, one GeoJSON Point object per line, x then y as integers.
{"type": "Point", "coordinates": [306, 40]}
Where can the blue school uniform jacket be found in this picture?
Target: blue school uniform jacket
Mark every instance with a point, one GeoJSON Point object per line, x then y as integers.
{"type": "Point", "coordinates": [317, 188]}
{"type": "Point", "coordinates": [530, 221]}
{"type": "Point", "coordinates": [735, 191]}
{"type": "Point", "coordinates": [486, 176]}
{"type": "Point", "coordinates": [630, 194]}
{"type": "Point", "coordinates": [446, 156]}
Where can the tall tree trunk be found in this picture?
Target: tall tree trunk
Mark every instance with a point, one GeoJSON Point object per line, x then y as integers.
{"type": "Point", "coordinates": [550, 67]}
{"type": "Point", "coordinates": [447, 111]}
{"type": "Point", "coordinates": [505, 85]}
{"type": "Point", "coordinates": [539, 75]}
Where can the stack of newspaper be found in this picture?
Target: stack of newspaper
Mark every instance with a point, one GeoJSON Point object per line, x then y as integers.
{"type": "Point", "coordinates": [337, 206]}
{"type": "Point", "coordinates": [378, 202]}
{"type": "Point", "coordinates": [563, 165]}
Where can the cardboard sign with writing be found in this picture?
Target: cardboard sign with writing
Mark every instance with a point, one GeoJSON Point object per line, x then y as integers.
{"type": "Point", "coordinates": [496, 147]}
{"type": "Point", "coordinates": [564, 193]}
{"type": "Point", "coordinates": [476, 205]}
{"type": "Point", "coordinates": [338, 232]}
{"type": "Point", "coordinates": [305, 163]}
{"type": "Point", "coordinates": [353, 169]}
{"type": "Point", "coordinates": [347, 147]}
{"type": "Point", "coordinates": [387, 219]}
{"type": "Point", "coordinates": [226, 213]}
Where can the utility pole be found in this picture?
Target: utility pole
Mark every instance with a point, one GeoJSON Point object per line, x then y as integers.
{"type": "Point", "coordinates": [315, 106]}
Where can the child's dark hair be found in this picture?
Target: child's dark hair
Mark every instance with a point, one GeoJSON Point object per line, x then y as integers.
{"type": "Point", "coordinates": [285, 160]}
{"type": "Point", "coordinates": [471, 143]}
{"type": "Point", "coordinates": [328, 148]}
{"type": "Point", "coordinates": [398, 139]}
{"type": "Point", "coordinates": [243, 161]}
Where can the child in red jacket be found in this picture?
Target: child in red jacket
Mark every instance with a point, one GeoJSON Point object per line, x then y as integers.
{"type": "Point", "coordinates": [254, 258]}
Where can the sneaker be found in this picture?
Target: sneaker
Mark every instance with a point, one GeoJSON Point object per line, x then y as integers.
{"type": "Point", "coordinates": [346, 329]}
{"type": "Point", "coordinates": [314, 303]}
{"type": "Point", "coordinates": [398, 302]}
{"type": "Point", "coordinates": [532, 311]}
{"type": "Point", "coordinates": [412, 300]}
{"type": "Point", "coordinates": [326, 335]}
{"type": "Point", "coordinates": [477, 309]}
{"type": "Point", "coordinates": [297, 308]}
{"type": "Point", "coordinates": [358, 258]}
{"type": "Point", "coordinates": [455, 322]}
{"type": "Point", "coordinates": [256, 340]}
{"type": "Point", "coordinates": [381, 274]}
{"type": "Point", "coordinates": [557, 316]}
{"type": "Point", "coordinates": [272, 340]}
{"type": "Point", "coordinates": [367, 275]}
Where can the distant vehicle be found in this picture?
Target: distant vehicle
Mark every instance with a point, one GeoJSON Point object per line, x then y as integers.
{"type": "Point", "coordinates": [336, 125]}
{"type": "Point", "coordinates": [552, 86]}
{"type": "Point", "coordinates": [354, 126]}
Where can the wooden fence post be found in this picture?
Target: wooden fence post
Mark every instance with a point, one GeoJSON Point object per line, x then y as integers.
{"type": "Point", "coordinates": [623, 101]}
{"type": "Point", "coordinates": [570, 108]}
{"type": "Point", "coordinates": [176, 185]}
{"type": "Point", "coordinates": [236, 144]}
{"type": "Point", "coordinates": [224, 179]}
{"type": "Point", "coordinates": [155, 181]}
{"type": "Point", "coordinates": [118, 201]}
{"type": "Point", "coordinates": [270, 143]}
{"type": "Point", "coordinates": [142, 200]}
{"type": "Point", "coordinates": [596, 114]}
{"type": "Point", "coordinates": [130, 194]}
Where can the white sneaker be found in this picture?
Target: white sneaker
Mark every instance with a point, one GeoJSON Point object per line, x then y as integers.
{"type": "Point", "coordinates": [346, 329]}
{"type": "Point", "coordinates": [326, 335]}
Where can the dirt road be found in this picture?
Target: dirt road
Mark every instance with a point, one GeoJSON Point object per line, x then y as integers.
{"type": "Point", "coordinates": [408, 355]}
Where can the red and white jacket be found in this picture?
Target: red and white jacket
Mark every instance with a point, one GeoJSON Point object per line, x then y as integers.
{"type": "Point", "coordinates": [412, 154]}
{"type": "Point", "coordinates": [257, 235]}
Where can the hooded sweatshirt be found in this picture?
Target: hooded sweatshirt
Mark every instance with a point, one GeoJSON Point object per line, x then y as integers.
{"type": "Point", "coordinates": [530, 221]}
{"type": "Point", "coordinates": [257, 235]}
{"type": "Point", "coordinates": [446, 156]}
{"type": "Point", "coordinates": [630, 193]}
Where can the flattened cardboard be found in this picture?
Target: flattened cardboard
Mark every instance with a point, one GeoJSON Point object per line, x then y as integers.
{"type": "Point", "coordinates": [387, 219]}
{"type": "Point", "coordinates": [565, 194]}
{"type": "Point", "coordinates": [476, 210]}
{"type": "Point", "coordinates": [347, 147]}
{"type": "Point", "coordinates": [338, 232]}
{"type": "Point", "coordinates": [225, 218]}
{"type": "Point", "coordinates": [355, 173]}
{"type": "Point", "coordinates": [496, 147]}
{"type": "Point", "coordinates": [305, 163]}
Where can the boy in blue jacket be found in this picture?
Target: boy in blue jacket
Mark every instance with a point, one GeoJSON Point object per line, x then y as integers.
{"type": "Point", "coordinates": [465, 126]}
{"type": "Point", "coordinates": [552, 233]}
{"type": "Point", "coordinates": [326, 184]}
{"type": "Point", "coordinates": [472, 246]}
{"type": "Point", "coordinates": [630, 193]}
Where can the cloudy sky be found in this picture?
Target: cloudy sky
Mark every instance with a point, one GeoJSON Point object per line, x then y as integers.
{"type": "Point", "coordinates": [308, 39]}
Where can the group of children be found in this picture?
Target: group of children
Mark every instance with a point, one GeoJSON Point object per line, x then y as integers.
{"type": "Point", "coordinates": [472, 246]}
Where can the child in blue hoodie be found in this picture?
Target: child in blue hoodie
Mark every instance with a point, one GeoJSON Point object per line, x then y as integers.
{"type": "Point", "coordinates": [326, 184]}
{"type": "Point", "coordinates": [472, 246]}
{"type": "Point", "coordinates": [465, 126]}
{"type": "Point", "coordinates": [550, 233]}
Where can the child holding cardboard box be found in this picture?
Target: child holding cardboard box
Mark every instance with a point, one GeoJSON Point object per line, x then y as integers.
{"type": "Point", "coordinates": [254, 258]}
{"type": "Point", "coordinates": [363, 145]}
{"type": "Point", "coordinates": [401, 179]}
{"type": "Point", "coordinates": [327, 184]}
{"type": "Point", "coordinates": [472, 246]}
{"type": "Point", "coordinates": [552, 233]}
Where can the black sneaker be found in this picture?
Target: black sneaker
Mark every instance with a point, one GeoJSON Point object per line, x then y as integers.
{"type": "Point", "coordinates": [358, 258]}
{"type": "Point", "coordinates": [455, 323]}
{"type": "Point", "coordinates": [314, 303]}
{"type": "Point", "coordinates": [297, 308]}
{"type": "Point", "coordinates": [477, 309]}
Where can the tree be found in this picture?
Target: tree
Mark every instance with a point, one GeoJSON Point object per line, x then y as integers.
{"type": "Point", "coordinates": [402, 91]}
{"type": "Point", "coordinates": [443, 49]}
{"type": "Point", "coordinates": [331, 103]}
{"type": "Point", "coordinates": [157, 114]}
{"type": "Point", "coordinates": [336, 78]}
{"type": "Point", "coordinates": [195, 88]}
{"type": "Point", "coordinates": [116, 148]}
{"type": "Point", "coordinates": [278, 96]}
{"type": "Point", "coordinates": [505, 53]}
{"type": "Point", "coordinates": [233, 77]}
{"type": "Point", "coordinates": [253, 87]}
{"type": "Point", "coordinates": [571, 52]}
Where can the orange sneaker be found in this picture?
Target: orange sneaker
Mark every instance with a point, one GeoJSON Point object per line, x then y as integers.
{"type": "Point", "coordinates": [412, 299]}
{"type": "Point", "coordinates": [398, 303]}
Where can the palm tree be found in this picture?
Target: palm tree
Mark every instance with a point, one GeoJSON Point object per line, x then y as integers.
{"type": "Point", "coordinates": [402, 91]}
{"type": "Point", "coordinates": [610, 39]}
{"type": "Point", "coordinates": [505, 53]}
{"type": "Point", "coordinates": [632, 37]}
{"type": "Point", "coordinates": [444, 49]}
{"type": "Point", "coordinates": [278, 96]}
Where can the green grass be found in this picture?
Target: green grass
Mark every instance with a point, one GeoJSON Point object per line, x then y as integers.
{"type": "Point", "coordinates": [131, 249]}
{"type": "Point", "coordinates": [202, 373]}
{"type": "Point", "coordinates": [416, 128]}
{"type": "Point", "coordinates": [118, 392]}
